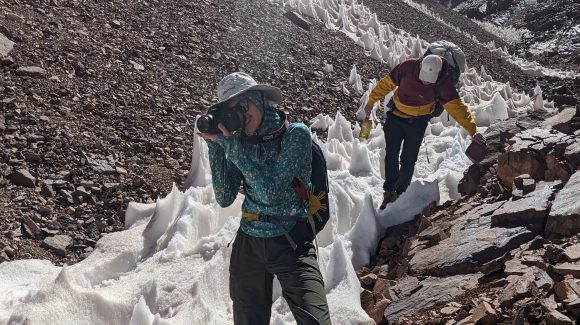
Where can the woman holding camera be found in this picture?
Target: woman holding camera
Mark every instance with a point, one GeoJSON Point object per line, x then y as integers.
{"type": "Point", "coordinates": [273, 239]}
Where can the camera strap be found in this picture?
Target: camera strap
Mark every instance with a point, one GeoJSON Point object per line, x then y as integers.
{"type": "Point", "coordinates": [260, 138]}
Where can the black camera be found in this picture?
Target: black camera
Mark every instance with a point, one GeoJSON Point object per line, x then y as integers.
{"type": "Point", "coordinates": [208, 123]}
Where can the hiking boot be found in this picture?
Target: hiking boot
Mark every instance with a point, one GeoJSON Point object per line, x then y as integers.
{"type": "Point", "coordinates": [388, 197]}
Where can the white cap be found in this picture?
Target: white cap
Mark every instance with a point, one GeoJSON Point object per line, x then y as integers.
{"type": "Point", "coordinates": [430, 68]}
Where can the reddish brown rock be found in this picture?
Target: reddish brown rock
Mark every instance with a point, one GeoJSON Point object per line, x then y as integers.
{"type": "Point", "coordinates": [526, 154]}
{"type": "Point", "coordinates": [572, 155]}
{"type": "Point", "coordinates": [518, 288]}
{"type": "Point", "coordinates": [555, 168]}
{"type": "Point", "coordinates": [484, 314]}
{"type": "Point", "coordinates": [470, 182]}
{"type": "Point", "coordinates": [564, 216]}
{"type": "Point", "coordinates": [378, 310]}
{"type": "Point", "coordinates": [530, 211]}
{"type": "Point", "coordinates": [367, 300]}
{"type": "Point", "coordinates": [369, 279]}
{"type": "Point", "coordinates": [567, 290]}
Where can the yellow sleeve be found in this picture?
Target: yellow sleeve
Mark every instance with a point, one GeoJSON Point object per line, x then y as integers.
{"type": "Point", "coordinates": [383, 87]}
{"type": "Point", "coordinates": [460, 112]}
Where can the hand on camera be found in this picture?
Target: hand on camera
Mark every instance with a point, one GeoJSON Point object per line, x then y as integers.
{"type": "Point", "coordinates": [213, 137]}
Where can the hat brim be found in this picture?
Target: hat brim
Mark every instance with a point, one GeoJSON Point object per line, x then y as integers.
{"type": "Point", "coordinates": [274, 94]}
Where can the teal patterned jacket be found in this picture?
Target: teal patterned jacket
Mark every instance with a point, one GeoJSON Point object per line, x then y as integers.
{"type": "Point", "coordinates": [267, 170]}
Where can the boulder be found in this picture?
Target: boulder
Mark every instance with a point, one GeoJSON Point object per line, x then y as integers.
{"type": "Point", "coordinates": [377, 311]}
{"type": "Point", "coordinates": [472, 243]}
{"type": "Point", "coordinates": [412, 296]}
{"type": "Point", "coordinates": [527, 154]}
{"type": "Point", "coordinates": [30, 228]}
{"type": "Point", "coordinates": [530, 211]}
{"type": "Point", "coordinates": [564, 216]}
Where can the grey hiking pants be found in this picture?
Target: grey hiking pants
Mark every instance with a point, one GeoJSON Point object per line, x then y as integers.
{"type": "Point", "coordinates": [253, 264]}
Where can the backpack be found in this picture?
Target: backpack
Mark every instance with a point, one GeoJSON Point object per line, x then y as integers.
{"type": "Point", "coordinates": [454, 56]}
{"type": "Point", "coordinates": [456, 59]}
{"type": "Point", "coordinates": [315, 200]}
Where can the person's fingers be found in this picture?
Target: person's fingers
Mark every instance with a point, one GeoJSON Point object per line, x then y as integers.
{"type": "Point", "coordinates": [224, 130]}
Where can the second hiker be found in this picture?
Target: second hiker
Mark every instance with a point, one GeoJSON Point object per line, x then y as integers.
{"type": "Point", "coordinates": [419, 85]}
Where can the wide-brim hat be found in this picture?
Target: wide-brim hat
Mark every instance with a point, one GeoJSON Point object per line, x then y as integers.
{"type": "Point", "coordinates": [237, 83]}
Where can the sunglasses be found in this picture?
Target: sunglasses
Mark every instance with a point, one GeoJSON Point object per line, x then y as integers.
{"type": "Point", "coordinates": [241, 106]}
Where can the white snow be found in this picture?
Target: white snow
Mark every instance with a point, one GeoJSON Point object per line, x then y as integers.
{"type": "Point", "coordinates": [170, 265]}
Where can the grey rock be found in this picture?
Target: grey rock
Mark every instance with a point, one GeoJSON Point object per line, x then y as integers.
{"type": "Point", "coordinates": [30, 228]}
{"type": "Point", "coordinates": [297, 19]}
{"type": "Point", "coordinates": [6, 46]}
{"type": "Point", "coordinates": [47, 190]}
{"type": "Point", "coordinates": [22, 177]}
{"type": "Point", "coordinates": [59, 243]}
{"type": "Point", "coordinates": [31, 71]}
{"type": "Point", "coordinates": [67, 196]}
{"type": "Point", "coordinates": [115, 24]}
{"type": "Point", "coordinates": [561, 121]}
{"type": "Point", "coordinates": [564, 217]}
{"type": "Point", "coordinates": [530, 211]}
{"type": "Point", "coordinates": [472, 243]}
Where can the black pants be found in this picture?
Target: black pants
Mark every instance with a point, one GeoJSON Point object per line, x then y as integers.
{"type": "Point", "coordinates": [408, 133]}
{"type": "Point", "coordinates": [253, 264]}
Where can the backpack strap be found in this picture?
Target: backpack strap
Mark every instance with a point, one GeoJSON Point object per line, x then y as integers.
{"type": "Point", "coordinates": [261, 138]}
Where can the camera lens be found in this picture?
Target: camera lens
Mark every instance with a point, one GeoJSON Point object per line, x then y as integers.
{"type": "Point", "coordinates": [204, 123]}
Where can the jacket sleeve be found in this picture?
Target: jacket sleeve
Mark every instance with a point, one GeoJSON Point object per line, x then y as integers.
{"type": "Point", "coordinates": [383, 87]}
{"type": "Point", "coordinates": [460, 112]}
{"type": "Point", "coordinates": [225, 176]}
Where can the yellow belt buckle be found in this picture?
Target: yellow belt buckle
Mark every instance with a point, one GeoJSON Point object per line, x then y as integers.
{"type": "Point", "coordinates": [250, 216]}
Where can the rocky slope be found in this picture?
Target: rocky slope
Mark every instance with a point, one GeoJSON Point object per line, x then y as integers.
{"type": "Point", "coordinates": [506, 252]}
{"type": "Point", "coordinates": [551, 28]}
